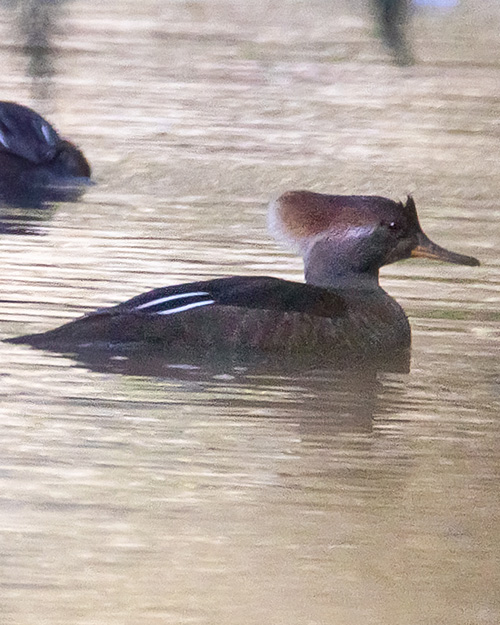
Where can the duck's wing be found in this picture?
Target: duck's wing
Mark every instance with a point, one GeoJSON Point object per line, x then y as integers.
{"type": "Point", "coordinates": [27, 134]}
{"type": "Point", "coordinates": [263, 293]}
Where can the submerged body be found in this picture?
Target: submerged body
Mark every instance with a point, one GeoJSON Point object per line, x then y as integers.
{"type": "Point", "coordinates": [36, 164]}
{"type": "Point", "coordinates": [341, 313]}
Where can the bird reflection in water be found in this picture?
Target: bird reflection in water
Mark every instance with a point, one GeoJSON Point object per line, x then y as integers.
{"type": "Point", "coordinates": [393, 17]}
{"type": "Point", "coordinates": [320, 399]}
{"type": "Point", "coordinates": [36, 24]}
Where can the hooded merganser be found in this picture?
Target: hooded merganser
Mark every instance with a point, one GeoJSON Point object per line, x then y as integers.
{"type": "Point", "coordinates": [340, 313]}
{"type": "Point", "coordinates": [36, 164]}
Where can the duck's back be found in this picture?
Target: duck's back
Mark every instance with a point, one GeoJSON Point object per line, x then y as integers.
{"type": "Point", "coordinates": [26, 134]}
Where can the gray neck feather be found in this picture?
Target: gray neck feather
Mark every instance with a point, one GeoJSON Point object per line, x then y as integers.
{"type": "Point", "coordinates": [343, 264]}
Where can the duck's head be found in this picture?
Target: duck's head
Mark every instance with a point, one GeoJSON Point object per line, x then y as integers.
{"type": "Point", "coordinates": [345, 239]}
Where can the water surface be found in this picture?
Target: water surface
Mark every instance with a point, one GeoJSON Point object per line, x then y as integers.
{"type": "Point", "coordinates": [245, 496]}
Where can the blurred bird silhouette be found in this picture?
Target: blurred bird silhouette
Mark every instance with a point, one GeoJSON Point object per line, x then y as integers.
{"type": "Point", "coordinates": [393, 17]}
{"type": "Point", "coordinates": [37, 166]}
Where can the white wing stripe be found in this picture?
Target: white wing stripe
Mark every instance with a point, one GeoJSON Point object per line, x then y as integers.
{"type": "Point", "coordinates": [170, 298]}
{"type": "Point", "coordinates": [3, 140]}
{"type": "Point", "coordinates": [186, 307]}
{"type": "Point", "coordinates": [46, 133]}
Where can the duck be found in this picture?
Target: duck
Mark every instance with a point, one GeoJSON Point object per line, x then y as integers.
{"type": "Point", "coordinates": [36, 164]}
{"type": "Point", "coordinates": [339, 314]}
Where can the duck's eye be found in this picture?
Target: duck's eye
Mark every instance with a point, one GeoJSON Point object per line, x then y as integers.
{"type": "Point", "coordinates": [393, 226]}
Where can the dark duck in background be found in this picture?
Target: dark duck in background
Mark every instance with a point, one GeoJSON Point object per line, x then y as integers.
{"type": "Point", "coordinates": [37, 166]}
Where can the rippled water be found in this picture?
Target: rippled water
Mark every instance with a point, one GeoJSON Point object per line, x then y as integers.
{"type": "Point", "coordinates": [252, 496]}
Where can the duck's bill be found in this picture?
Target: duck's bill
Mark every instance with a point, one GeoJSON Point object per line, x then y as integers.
{"type": "Point", "coordinates": [427, 249]}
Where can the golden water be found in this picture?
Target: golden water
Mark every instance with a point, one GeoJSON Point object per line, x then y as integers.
{"type": "Point", "coordinates": [242, 497]}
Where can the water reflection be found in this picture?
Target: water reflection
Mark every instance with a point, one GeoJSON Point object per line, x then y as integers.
{"type": "Point", "coordinates": [239, 496]}
{"type": "Point", "coordinates": [393, 18]}
{"type": "Point", "coordinates": [25, 222]}
{"type": "Point", "coordinates": [284, 482]}
{"type": "Point", "coordinates": [161, 363]}
{"type": "Point", "coordinates": [37, 25]}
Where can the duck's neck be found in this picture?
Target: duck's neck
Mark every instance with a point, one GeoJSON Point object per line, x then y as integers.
{"type": "Point", "coordinates": [339, 269]}
{"type": "Point", "coordinates": [331, 279]}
